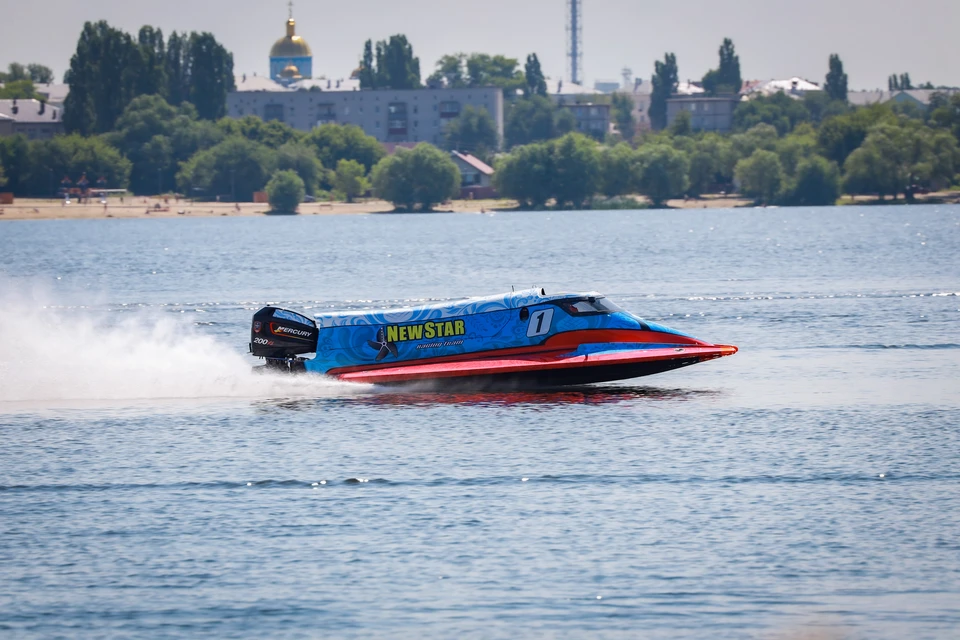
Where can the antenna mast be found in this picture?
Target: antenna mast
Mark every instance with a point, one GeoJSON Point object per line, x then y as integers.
{"type": "Point", "coordinates": [575, 40]}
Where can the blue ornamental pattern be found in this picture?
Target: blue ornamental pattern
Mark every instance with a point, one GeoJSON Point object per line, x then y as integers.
{"type": "Point", "coordinates": [517, 319]}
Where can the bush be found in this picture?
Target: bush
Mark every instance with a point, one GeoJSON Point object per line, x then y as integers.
{"type": "Point", "coordinates": [285, 191]}
{"type": "Point", "coordinates": [423, 176]}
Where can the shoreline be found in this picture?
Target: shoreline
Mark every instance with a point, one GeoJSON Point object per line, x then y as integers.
{"type": "Point", "coordinates": [152, 207]}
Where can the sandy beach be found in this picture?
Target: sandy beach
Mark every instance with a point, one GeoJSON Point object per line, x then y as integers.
{"type": "Point", "coordinates": [139, 207]}
{"type": "Point", "coordinates": [152, 207]}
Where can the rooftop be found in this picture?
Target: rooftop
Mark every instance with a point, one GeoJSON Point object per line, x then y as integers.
{"type": "Point", "coordinates": [32, 111]}
{"type": "Point", "coordinates": [257, 83]}
{"type": "Point", "coordinates": [474, 162]}
{"type": "Point", "coordinates": [770, 87]}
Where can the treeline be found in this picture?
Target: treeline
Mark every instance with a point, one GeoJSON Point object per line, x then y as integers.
{"type": "Point", "coordinates": [777, 156]}
{"type": "Point", "coordinates": [19, 80]}
{"type": "Point", "coordinates": [110, 68]}
{"type": "Point", "coordinates": [159, 148]}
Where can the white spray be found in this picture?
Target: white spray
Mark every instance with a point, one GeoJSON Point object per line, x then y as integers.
{"type": "Point", "coordinates": [50, 354]}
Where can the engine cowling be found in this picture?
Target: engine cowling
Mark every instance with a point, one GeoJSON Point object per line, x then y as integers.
{"type": "Point", "coordinates": [280, 334]}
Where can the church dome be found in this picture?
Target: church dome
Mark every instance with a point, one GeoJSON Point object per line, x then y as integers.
{"type": "Point", "coordinates": [291, 45]}
{"type": "Point", "coordinates": [290, 72]}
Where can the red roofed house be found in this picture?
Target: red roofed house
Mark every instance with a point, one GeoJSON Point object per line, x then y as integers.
{"type": "Point", "coordinates": [476, 176]}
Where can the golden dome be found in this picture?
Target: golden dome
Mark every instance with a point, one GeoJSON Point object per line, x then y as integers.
{"type": "Point", "coordinates": [290, 71]}
{"type": "Point", "coordinates": [291, 45]}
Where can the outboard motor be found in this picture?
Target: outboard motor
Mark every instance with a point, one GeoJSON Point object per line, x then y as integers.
{"type": "Point", "coordinates": [280, 336]}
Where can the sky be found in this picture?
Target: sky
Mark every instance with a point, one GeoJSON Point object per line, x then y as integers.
{"type": "Point", "coordinates": [774, 38]}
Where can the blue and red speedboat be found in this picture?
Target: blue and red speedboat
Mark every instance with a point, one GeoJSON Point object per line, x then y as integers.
{"type": "Point", "coordinates": [516, 340]}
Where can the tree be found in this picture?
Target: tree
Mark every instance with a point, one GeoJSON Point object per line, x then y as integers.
{"type": "Point", "coordinates": [664, 81]}
{"type": "Point", "coordinates": [211, 76]}
{"type": "Point", "coordinates": [109, 69]}
{"type": "Point", "coordinates": [838, 136]}
{"type": "Point", "coordinates": [451, 71]}
{"type": "Point", "coordinates": [617, 170]}
{"type": "Point", "coordinates": [816, 184]}
{"type": "Point", "coordinates": [73, 156]}
{"type": "Point", "coordinates": [40, 74]}
{"type": "Point", "coordinates": [899, 83]}
{"type": "Point", "coordinates": [867, 172]}
{"type": "Point", "coordinates": [534, 119]}
{"type": "Point", "coordinates": [368, 67]}
{"type": "Point", "coordinates": [682, 125]}
{"type": "Point", "coordinates": [779, 110]}
{"type": "Point", "coordinates": [301, 158]}
{"type": "Point", "coordinates": [836, 83]}
{"type": "Point", "coordinates": [495, 71]}
{"type": "Point", "coordinates": [526, 175]}
{"type": "Point", "coordinates": [152, 74]}
{"type": "Point", "coordinates": [156, 137]}
{"type": "Point", "coordinates": [393, 67]}
{"type": "Point", "coordinates": [662, 172]}
{"type": "Point", "coordinates": [15, 72]}
{"type": "Point", "coordinates": [272, 133]}
{"type": "Point", "coordinates": [19, 90]}
{"type": "Point", "coordinates": [176, 65]}
{"type": "Point", "coordinates": [336, 142]}
{"type": "Point", "coordinates": [900, 157]}
{"type": "Point", "coordinates": [285, 191]}
{"type": "Point", "coordinates": [945, 112]}
{"type": "Point", "coordinates": [726, 78]}
{"type": "Point", "coordinates": [102, 77]}
{"type": "Point", "coordinates": [15, 159]}
{"type": "Point", "coordinates": [723, 158]}
{"type": "Point", "coordinates": [621, 105]}
{"type": "Point", "coordinates": [576, 166]}
{"type": "Point", "coordinates": [701, 174]}
{"type": "Point", "coordinates": [535, 83]}
{"type": "Point", "coordinates": [350, 179]}
{"type": "Point", "coordinates": [761, 136]}
{"type": "Point", "coordinates": [795, 148]}
{"type": "Point", "coordinates": [473, 131]}
{"type": "Point", "coordinates": [421, 176]}
{"type": "Point", "coordinates": [760, 176]}
{"type": "Point", "coordinates": [235, 168]}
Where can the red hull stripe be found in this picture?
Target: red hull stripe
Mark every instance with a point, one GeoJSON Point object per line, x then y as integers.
{"type": "Point", "coordinates": [539, 362]}
{"type": "Point", "coordinates": [555, 345]}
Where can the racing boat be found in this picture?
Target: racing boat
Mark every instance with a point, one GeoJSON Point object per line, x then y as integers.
{"type": "Point", "coordinates": [520, 339]}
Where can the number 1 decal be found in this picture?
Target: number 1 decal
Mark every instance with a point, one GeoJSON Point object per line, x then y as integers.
{"type": "Point", "coordinates": [540, 322]}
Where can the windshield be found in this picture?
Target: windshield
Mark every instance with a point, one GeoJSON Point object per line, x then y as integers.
{"type": "Point", "coordinates": [591, 305]}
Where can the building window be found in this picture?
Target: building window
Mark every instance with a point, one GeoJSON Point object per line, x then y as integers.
{"type": "Point", "coordinates": [397, 124]}
{"type": "Point", "coordinates": [326, 113]}
{"type": "Point", "coordinates": [449, 109]}
{"type": "Point", "coordinates": [273, 112]}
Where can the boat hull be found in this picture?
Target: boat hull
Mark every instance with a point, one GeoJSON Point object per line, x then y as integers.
{"type": "Point", "coordinates": [539, 371]}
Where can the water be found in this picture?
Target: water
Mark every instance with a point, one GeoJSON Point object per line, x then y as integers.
{"type": "Point", "coordinates": [151, 486]}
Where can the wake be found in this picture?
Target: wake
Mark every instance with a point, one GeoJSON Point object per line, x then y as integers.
{"type": "Point", "coordinates": [49, 354]}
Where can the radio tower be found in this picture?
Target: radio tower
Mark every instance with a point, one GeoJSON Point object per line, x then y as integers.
{"type": "Point", "coordinates": [575, 40]}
